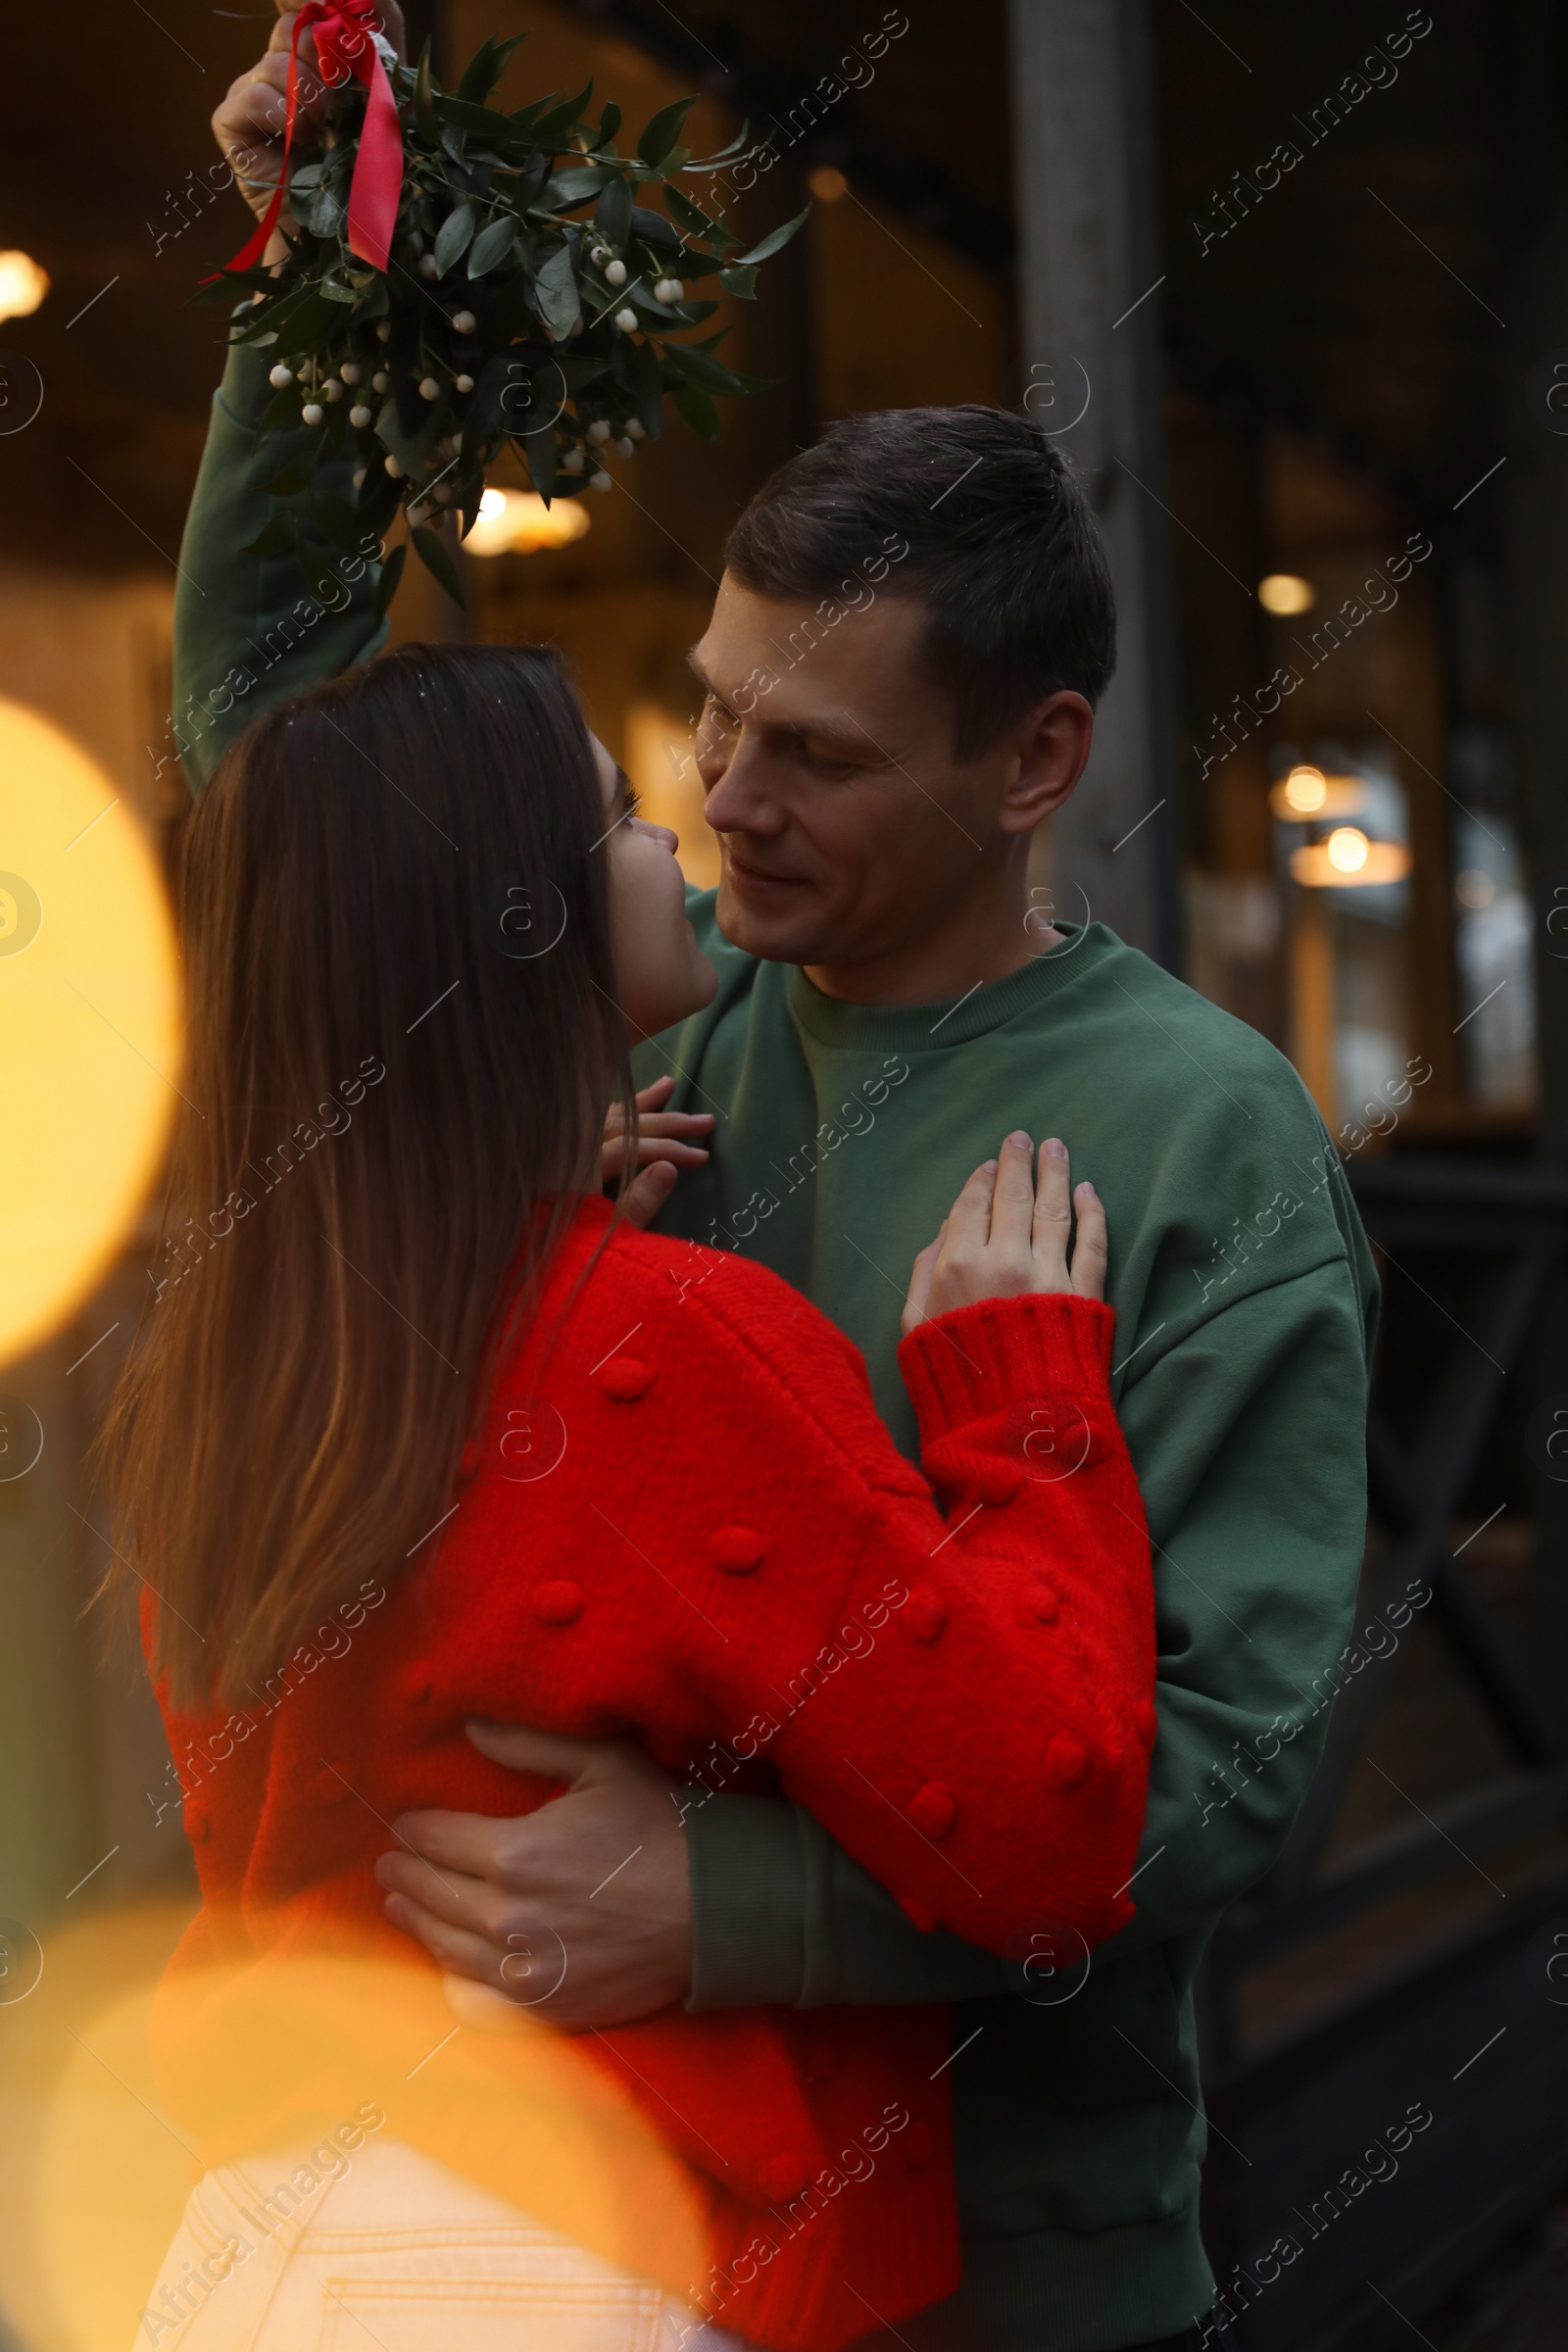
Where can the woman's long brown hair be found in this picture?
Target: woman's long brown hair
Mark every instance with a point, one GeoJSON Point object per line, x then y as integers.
{"type": "Point", "coordinates": [403, 1037]}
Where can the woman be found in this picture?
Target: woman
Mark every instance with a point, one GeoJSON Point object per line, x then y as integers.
{"type": "Point", "coordinates": [423, 1431]}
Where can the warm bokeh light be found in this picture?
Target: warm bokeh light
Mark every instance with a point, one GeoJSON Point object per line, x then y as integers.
{"type": "Point", "coordinates": [119, 2087]}
{"type": "Point", "coordinates": [23, 285]}
{"type": "Point", "coordinates": [827, 184]}
{"type": "Point", "coordinates": [660, 757]}
{"type": "Point", "coordinates": [1306, 792]}
{"type": "Point", "coordinates": [1286, 591]}
{"type": "Point", "coordinates": [89, 1024]}
{"type": "Point", "coordinates": [516, 523]}
{"type": "Point", "coordinates": [1347, 860]}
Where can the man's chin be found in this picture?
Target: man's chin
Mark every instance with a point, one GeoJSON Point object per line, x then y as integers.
{"type": "Point", "coordinates": [785, 934]}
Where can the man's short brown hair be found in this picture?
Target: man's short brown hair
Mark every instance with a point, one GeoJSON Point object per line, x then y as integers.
{"type": "Point", "coordinates": [1003, 550]}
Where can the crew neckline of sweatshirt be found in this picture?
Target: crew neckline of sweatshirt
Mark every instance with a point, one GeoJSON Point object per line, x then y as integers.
{"type": "Point", "coordinates": [949, 1020]}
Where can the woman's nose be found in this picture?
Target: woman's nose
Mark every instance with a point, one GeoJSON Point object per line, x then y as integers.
{"type": "Point", "coordinates": [664, 833]}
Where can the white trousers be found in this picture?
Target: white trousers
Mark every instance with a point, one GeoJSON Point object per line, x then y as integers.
{"type": "Point", "coordinates": [399, 2251]}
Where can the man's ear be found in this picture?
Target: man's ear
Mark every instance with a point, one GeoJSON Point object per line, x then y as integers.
{"type": "Point", "coordinates": [1050, 750]}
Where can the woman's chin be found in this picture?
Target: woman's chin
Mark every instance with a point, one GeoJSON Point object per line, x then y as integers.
{"type": "Point", "coordinates": [661, 1009]}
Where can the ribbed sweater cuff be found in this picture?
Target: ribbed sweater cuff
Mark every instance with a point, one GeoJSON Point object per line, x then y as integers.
{"type": "Point", "coordinates": [965, 1365]}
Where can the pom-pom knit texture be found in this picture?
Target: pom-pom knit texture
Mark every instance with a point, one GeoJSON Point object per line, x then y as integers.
{"type": "Point", "coordinates": [685, 1522]}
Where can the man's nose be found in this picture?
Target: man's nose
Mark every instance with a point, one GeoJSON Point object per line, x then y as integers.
{"type": "Point", "coordinates": [740, 801]}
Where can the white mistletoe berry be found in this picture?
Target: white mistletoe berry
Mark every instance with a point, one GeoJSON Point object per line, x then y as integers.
{"type": "Point", "coordinates": [311, 413]}
{"type": "Point", "coordinates": [394, 468]}
{"type": "Point", "coordinates": [465, 322]}
{"type": "Point", "coordinates": [429, 389]}
{"type": "Point", "coordinates": [572, 463]}
{"type": "Point", "coordinates": [599, 432]}
{"type": "Point", "coordinates": [307, 372]}
{"type": "Point", "coordinates": [359, 477]}
{"type": "Point", "coordinates": [669, 289]}
{"type": "Point", "coordinates": [332, 389]}
{"type": "Point", "coordinates": [442, 494]}
{"type": "Point", "coordinates": [427, 268]}
{"type": "Point", "coordinates": [280, 376]}
{"type": "Point", "coordinates": [465, 383]}
{"type": "Point", "coordinates": [600, 481]}
{"type": "Point", "coordinates": [350, 372]}
{"type": "Point", "coordinates": [383, 330]}
{"type": "Point", "coordinates": [626, 320]}
{"type": "Point", "coordinates": [379, 380]}
{"type": "Point", "coordinates": [359, 416]}
{"type": "Point", "coordinates": [637, 430]}
{"type": "Point", "coordinates": [615, 273]}
{"type": "Point", "coordinates": [625, 446]}
{"type": "Point", "coordinates": [599, 255]}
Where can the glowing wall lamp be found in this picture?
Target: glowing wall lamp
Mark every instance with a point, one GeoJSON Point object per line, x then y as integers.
{"type": "Point", "coordinates": [1307, 794]}
{"type": "Point", "coordinates": [1348, 861]}
{"type": "Point", "coordinates": [1286, 591]}
{"type": "Point", "coordinates": [518, 522]}
{"type": "Point", "coordinates": [90, 1030]}
{"type": "Point", "coordinates": [23, 285]}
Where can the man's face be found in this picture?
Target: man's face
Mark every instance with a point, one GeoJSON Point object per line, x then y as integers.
{"type": "Point", "coordinates": [849, 825]}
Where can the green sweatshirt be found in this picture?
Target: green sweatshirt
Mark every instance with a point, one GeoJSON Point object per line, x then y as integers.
{"type": "Point", "coordinates": [1245, 1296]}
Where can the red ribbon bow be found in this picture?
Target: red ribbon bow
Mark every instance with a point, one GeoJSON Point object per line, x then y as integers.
{"type": "Point", "coordinates": [344, 48]}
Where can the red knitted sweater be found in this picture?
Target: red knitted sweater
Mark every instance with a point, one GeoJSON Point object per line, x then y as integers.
{"type": "Point", "coordinates": [686, 1522]}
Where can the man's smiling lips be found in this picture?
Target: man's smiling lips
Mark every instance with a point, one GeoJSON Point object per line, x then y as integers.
{"type": "Point", "coordinates": [754, 878]}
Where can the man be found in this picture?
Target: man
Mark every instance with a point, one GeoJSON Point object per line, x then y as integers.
{"type": "Point", "coordinates": [914, 626]}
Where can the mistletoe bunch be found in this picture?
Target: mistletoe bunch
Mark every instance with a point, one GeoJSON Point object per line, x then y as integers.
{"type": "Point", "coordinates": [530, 299]}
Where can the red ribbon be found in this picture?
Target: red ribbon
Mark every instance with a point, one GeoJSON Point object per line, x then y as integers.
{"type": "Point", "coordinates": [344, 48]}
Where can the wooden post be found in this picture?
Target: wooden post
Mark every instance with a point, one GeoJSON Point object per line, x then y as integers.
{"type": "Point", "coordinates": [1089, 302]}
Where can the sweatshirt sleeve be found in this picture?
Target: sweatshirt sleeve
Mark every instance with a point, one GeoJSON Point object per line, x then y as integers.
{"type": "Point", "coordinates": [1249, 1436]}
{"type": "Point", "coordinates": [248, 632]}
{"type": "Point", "coordinates": [969, 1704]}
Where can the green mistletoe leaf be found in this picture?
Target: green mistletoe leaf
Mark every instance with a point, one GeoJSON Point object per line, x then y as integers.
{"type": "Point", "coordinates": [695, 406]}
{"type": "Point", "coordinates": [485, 122]}
{"type": "Point", "coordinates": [487, 67]}
{"type": "Point", "coordinates": [540, 451]}
{"type": "Point", "coordinates": [697, 367]}
{"type": "Point", "coordinates": [575, 186]}
{"type": "Point", "coordinates": [559, 124]}
{"type": "Point", "coordinates": [655, 229]}
{"type": "Point", "coordinates": [658, 139]}
{"type": "Point", "coordinates": [555, 292]}
{"type": "Point", "coordinates": [336, 519]}
{"type": "Point", "coordinates": [772, 243]}
{"type": "Point", "coordinates": [648, 387]}
{"type": "Point", "coordinates": [423, 106]}
{"type": "Point", "coordinates": [297, 475]}
{"type": "Point", "coordinates": [432, 554]}
{"type": "Point", "coordinates": [492, 245]}
{"type": "Point", "coordinates": [391, 573]}
{"type": "Point", "coordinates": [454, 237]}
{"type": "Point", "coordinates": [614, 216]}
